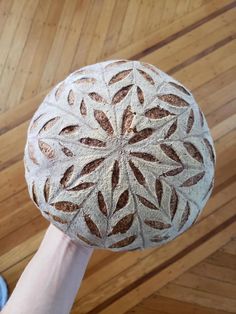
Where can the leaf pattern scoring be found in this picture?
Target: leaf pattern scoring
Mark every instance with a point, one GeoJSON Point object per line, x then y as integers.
{"type": "Point", "coordinates": [158, 113]}
{"type": "Point", "coordinates": [131, 155]}
{"type": "Point", "coordinates": [119, 76]}
{"type": "Point", "coordinates": [193, 180]}
{"type": "Point", "coordinates": [141, 135]}
{"type": "Point", "coordinates": [121, 94]}
{"type": "Point", "coordinates": [66, 206]}
{"type": "Point", "coordinates": [122, 200]}
{"type": "Point", "coordinates": [102, 204]}
{"type": "Point", "coordinates": [122, 243]}
{"type": "Point", "coordinates": [169, 151]}
{"type": "Point", "coordinates": [123, 225]}
{"type": "Point", "coordinates": [146, 202]}
{"type": "Point", "coordinates": [193, 151]}
{"type": "Point", "coordinates": [157, 224]}
{"type": "Point", "coordinates": [103, 121]}
{"type": "Point", "coordinates": [174, 100]}
{"type": "Point", "coordinates": [92, 226]}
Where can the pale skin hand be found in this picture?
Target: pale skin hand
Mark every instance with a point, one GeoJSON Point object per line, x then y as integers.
{"type": "Point", "coordinates": [51, 280]}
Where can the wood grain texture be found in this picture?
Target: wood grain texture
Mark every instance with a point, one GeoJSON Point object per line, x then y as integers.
{"type": "Point", "coordinates": [194, 40]}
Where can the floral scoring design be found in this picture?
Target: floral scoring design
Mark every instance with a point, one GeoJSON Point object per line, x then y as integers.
{"type": "Point", "coordinates": [119, 156]}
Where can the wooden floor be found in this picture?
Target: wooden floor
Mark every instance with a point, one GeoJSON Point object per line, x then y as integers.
{"type": "Point", "coordinates": [41, 42]}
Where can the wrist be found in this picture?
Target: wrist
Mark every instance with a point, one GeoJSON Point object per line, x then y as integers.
{"type": "Point", "coordinates": [54, 237]}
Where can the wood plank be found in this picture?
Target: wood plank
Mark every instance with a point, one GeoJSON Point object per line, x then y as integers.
{"type": "Point", "coordinates": [29, 50]}
{"type": "Point", "coordinates": [70, 47]}
{"type": "Point", "coordinates": [139, 292]}
{"type": "Point", "coordinates": [143, 266]}
{"type": "Point", "coordinates": [170, 306]}
{"type": "Point", "coordinates": [129, 22]}
{"type": "Point", "coordinates": [5, 11]}
{"type": "Point", "coordinates": [204, 284]}
{"type": "Point", "coordinates": [17, 46]}
{"type": "Point", "coordinates": [198, 297]}
{"type": "Point", "coordinates": [31, 87]}
{"type": "Point", "coordinates": [100, 33]}
{"type": "Point", "coordinates": [221, 273]}
{"type": "Point", "coordinates": [86, 38]}
{"type": "Point", "coordinates": [9, 31]}
{"type": "Point", "coordinates": [58, 42]}
{"type": "Point", "coordinates": [229, 248]}
{"type": "Point", "coordinates": [114, 28]}
{"type": "Point", "coordinates": [175, 30]}
{"type": "Point", "coordinates": [223, 259]}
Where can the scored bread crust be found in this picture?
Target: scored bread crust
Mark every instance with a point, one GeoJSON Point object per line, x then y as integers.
{"type": "Point", "coordinates": [119, 156]}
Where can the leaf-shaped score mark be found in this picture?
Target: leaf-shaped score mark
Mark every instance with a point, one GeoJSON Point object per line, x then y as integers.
{"type": "Point", "coordinates": [193, 180]}
{"type": "Point", "coordinates": [171, 129]}
{"type": "Point", "coordinates": [96, 97]}
{"type": "Point", "coordinates": [157, 224]}
{"type": "Point", "coordinates": [48, 125]}
{"type": "Point", "coordinates": [91, 166]}
{"type": "Point", "coordinates": [115, 175]}
{"type": "Point", "coordinates": [146, 76]}
{"type": "Point", "coordinates": [122, 243]}
{"type": "Point", "coordinates": [82, 186]}
{"type": "Point", "coordinates": [157, 113]}
{"type": "Point", "coordinates": [190, 121]}
{"type": "Point", "coordinates": [34, 195]}
{"type": "Point", "coordinates": [67, 176]}
{"type": "Point", "coordinates": [122, 225]}
{"type": "Point", "coordinates": [173, 172]}
{"type": "Point", "coordinates": [123, 200]}
{"type": "Point", "coordinates": [144, 156]}
{"type": "Point", "coordinates": [58, 219]}
{"type": "Point", "coordinates": [59, 91]}
{"type": "Point", "coordinates": [174, 100]}
{"type": "Point", "coordinates": [140, 95]}
{"type": "Point", "coordinates": [67, 152]}
{"type": "Point", "coordinates": [180, 87]}
{"type": "Point", "coordinates": [159, 190]}
{"type": "Point", "coordinates": [102, 204]}
{"type": "Point", "coordinates": [69, 130]}
{"type": "Point", "coordinates": [145, 202]}
{"type": "Point", "coordinates": [46, 149]}
{"type": "Point", "coordinates": [169, 151]}
{"type": "Point", "coordinates": [119, 76]}
{"type": "Point", "coordinates": [71, 98]}
{"type": "Point", "coordinates": [127, 120]}
{"type": "Point", "coordinates": [92, 142]}
{"type": "Point", "coordinates": [201, 117]}
{"type": "Point", "coordinates": [86, 80]}
{"type": "Point", "coordinates": [36, 121]}
{"type": "Point", "coordinates": [46, 189]}
{"type": "Point", "coordinates": [83, 109]}
{"type": "Point", "coordinates": [85, 240]}
{"type": "Point", "coordinates": [116, 63]}
{"type": "Point", "coordinates": [65, 206]}
{"type": "Point", "coordinates": [92, 226]}
{"type": "Point", "coordinates": [121, 94]}
{"type": "Point", "coordinates": [193, 151]}
{"type": "Point", "coordinates": [150, 67]}
{"type": "Point", "coordinates": [32, 154]}
{"type": "Point", "coordinates": [184, 216]}
{"type": "Point", "coordinates": [141, 135]}
{"type": "Point", "coordinates": [174, 201]}
{"type": "Point", "coordinates": [137, 173]}
{"type": "Point", "coordinates": [103, 121]}
{"type": "Point", "coordinates": [210, 150]}
{"type": "Point", "coordinates": [159, 238]}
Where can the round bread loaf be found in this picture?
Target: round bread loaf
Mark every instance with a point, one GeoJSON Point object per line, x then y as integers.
{"type": "Point", "coordinates": [119, 156]}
